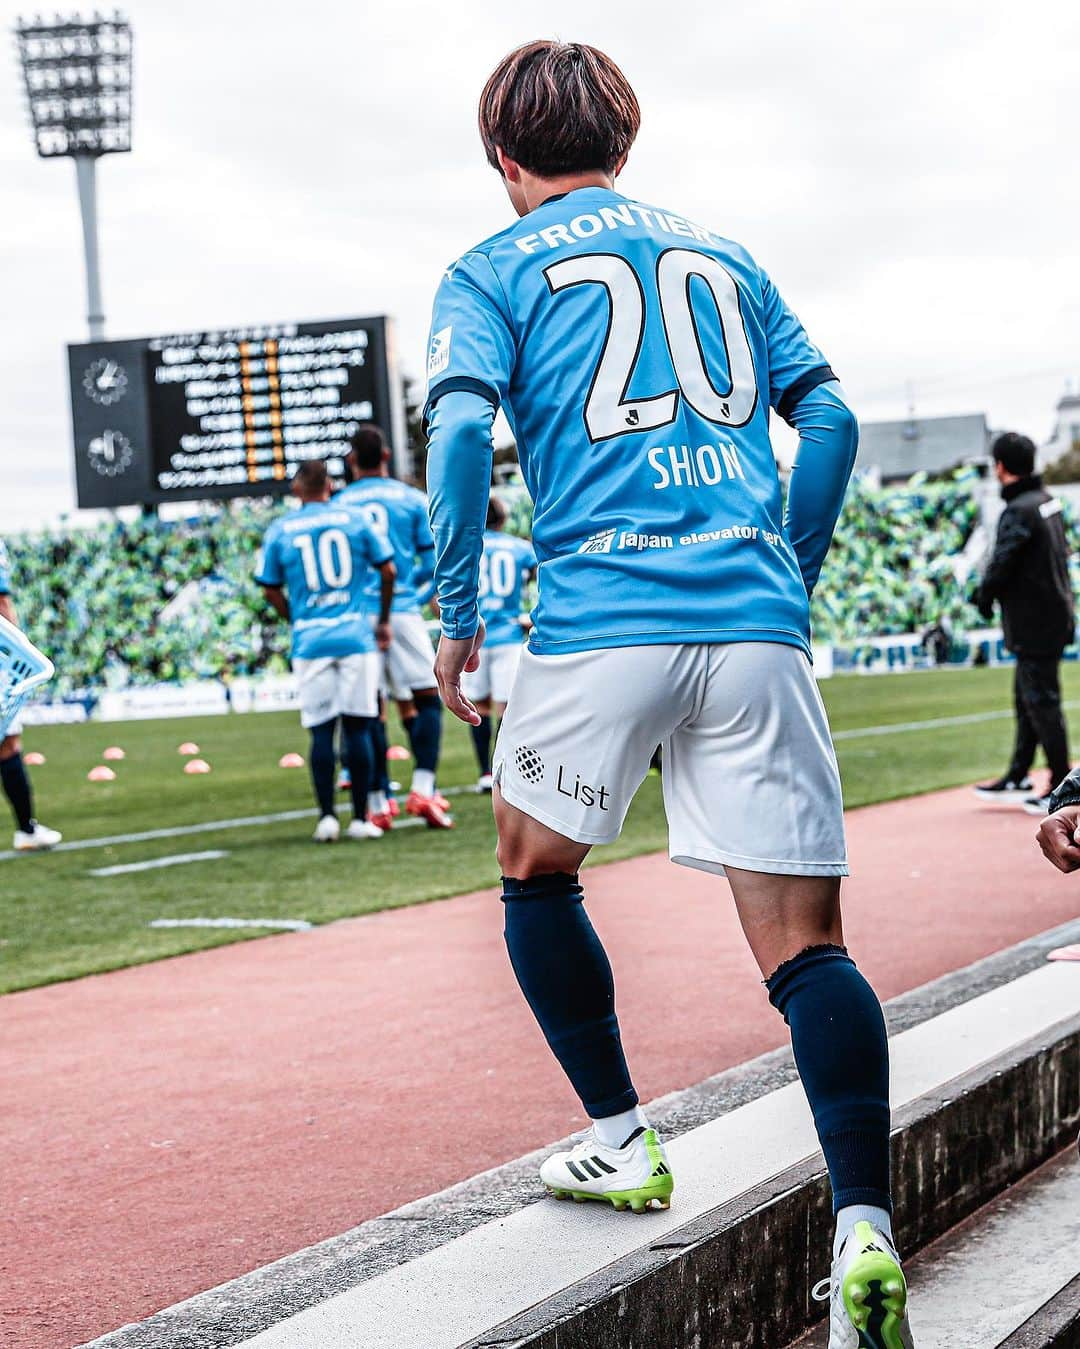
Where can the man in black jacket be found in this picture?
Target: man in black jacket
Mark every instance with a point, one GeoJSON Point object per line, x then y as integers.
{"type": "Point", "coordinates": [1028, 575]}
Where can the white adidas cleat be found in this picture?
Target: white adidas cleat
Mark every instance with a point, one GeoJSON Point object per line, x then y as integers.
{"type": "Point", "coordinates": [867, 1294]}
{"type": "Point", "coordinates": [361, 829]}
{"type": "Point", "coordinates": [328, 830]}
{"type": "Point", "coordinates": [632, 1176]}
{"type": "Point", "coordinates": [39, 838]}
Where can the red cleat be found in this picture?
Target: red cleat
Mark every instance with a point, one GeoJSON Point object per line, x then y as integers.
{"type": "Point", "coordinates": [392, 807]}
{"type": "Point", "coordinates": [441, 801]}
{"type": "Point", "coordinates": [427, 808]}
{"type": "Point", "coordinates": [383, 819]}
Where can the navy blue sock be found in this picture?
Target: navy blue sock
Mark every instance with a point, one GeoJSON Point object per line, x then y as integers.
{"type": "Point", "coordinates": [381, 777]}
{"type": "Point", "coordinates": [481, 736]}
{"type": "Point", "coordinates": [17, 790]}
{"type": "Point", "coordinates": [358, 752]}
{"type": "Point", "coordinates": [322, 764]}
{"type": "Point", "coordinates": [564, 973]}
{"type": "Point", "coordinates": [842, 1054]}
{"type": "Point", "coordinates": [425, 730]}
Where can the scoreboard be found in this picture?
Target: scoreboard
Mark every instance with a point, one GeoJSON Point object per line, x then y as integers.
{"type": "Point", "coordinates": [228, 412]}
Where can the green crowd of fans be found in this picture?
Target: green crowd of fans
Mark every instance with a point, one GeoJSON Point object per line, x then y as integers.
{"type": "Point", "coordinates": [151, 600]}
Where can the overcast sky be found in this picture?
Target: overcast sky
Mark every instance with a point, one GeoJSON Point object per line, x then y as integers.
{"type": "Point", "coordinates": [907, 173]}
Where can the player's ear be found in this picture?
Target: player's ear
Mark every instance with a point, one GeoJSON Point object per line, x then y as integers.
{"type": "Point", "coordinates": [508, 167]}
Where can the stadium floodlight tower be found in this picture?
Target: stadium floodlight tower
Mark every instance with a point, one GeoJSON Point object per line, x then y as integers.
{"type": "Point", "coordinates": [78, 84]}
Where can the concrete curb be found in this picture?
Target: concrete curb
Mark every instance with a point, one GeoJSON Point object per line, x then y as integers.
{"type": "Point", "coordinates": [742, 1274]}
{"type": "Point", "coordinates": [1056, 1324]}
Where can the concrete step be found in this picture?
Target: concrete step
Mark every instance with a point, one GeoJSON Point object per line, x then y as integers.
{"type": "Point", "coordinates": [986, 1087]}
{"type": "Point", "coordinates": [1006, 1278]}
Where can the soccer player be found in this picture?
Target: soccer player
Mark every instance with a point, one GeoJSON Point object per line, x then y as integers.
{"type": "Point", "coordinates": [636, 355]}
{"type": "Point", "coordinates": [506, 564]}
{"type": "Point", "coordinates": [400, 513]}
{"type": "Point", "coordinates": [315, 566]}
{"type": "Point", "coordinates": [30, 835]}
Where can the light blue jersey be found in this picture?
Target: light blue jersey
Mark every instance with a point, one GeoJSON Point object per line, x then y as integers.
{"type": "Point", "coordinates": [5, 569]}
{"type": "Point", "coordinates": [400, 512]}
{"type": "Point", "coordinates": [505, 565]}
{"type": "Point", "coordinates": [324, 556]}
{"type": "Point", "coordinates": [636, 356]}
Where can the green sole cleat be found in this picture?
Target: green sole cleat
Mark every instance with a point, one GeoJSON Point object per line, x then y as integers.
{"type": "Point", "coordinates": [657, 1193]}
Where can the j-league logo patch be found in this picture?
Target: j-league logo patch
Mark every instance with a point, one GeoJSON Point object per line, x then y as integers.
{"type": "Point", "coordinates": [599, 543]}
{"type": "Point", "coordinates": [439, 352]}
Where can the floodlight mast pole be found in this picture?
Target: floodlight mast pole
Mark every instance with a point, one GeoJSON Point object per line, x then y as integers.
{"type": "Point", "coordinates": [86, 177]}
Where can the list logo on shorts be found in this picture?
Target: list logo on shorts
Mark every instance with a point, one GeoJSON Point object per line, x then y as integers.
{"type": "Point", "coordinates": [529, 764]}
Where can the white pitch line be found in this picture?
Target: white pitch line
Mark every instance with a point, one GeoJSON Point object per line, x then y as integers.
{"type": "Point", "coordinates": [209, 827]}
{"type": "Point", "coordinates": [175, 860]}
{"type": "Point", "coordinates": [899, 727]}
{"type": "Point", "coordinates": [279, 924]}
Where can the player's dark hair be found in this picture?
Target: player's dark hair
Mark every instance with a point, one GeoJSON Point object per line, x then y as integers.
{"type": "Point", "coordinates": [558, 108]}
{"type": "Point", "coordinates": [1015, 453]}
{"type": "Point", "coordinates": [496, 513]}
{"type": "Point", "coordinates": [311, 477]}
{"type": "Point", "coordinates": [368, 444]}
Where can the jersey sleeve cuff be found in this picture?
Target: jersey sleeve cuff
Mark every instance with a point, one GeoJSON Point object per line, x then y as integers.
{"type": "Point", "coordinates": [459, 384]}
{"type": "Point", "coordinates": [458, 627]}
{"type": "Point", "coordinates": [795, 392]}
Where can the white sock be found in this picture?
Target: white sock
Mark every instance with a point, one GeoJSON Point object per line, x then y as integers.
{"type": "Point", "coordinates": [614, 1130]}
{"type": "Point", "coordinates": [846, 1219]}
{"type": "Point", "coordinates": [377, 803]}
{"type": "Point", "coordinates": [423, 781]}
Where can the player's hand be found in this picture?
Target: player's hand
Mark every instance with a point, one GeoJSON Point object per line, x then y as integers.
{"type": "Point", "coordinates": [1057, 837]}
{"type": "Point", "coordinates": [384, 635]}
{"type": "Point", "coordinates": [456, 655]}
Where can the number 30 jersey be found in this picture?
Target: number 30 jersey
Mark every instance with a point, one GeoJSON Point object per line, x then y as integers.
{"type": "Point", "coordinates": [636, 356]}
{"type": "Point", "coordinates": [323, 555]}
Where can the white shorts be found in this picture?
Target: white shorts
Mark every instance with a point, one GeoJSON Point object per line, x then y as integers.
{"type": "Point", "coordinates": [14, 727]}
{"type": "Point", "coordinates": [410, 662]}
{"type": "Point", "coordinates": [494, 677]}
{"type": "Point", "coordinates": [750, 776]}
{"type": "Point", "coordinates": [342, 686]}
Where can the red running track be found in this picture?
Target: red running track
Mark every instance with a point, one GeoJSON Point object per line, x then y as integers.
{"type": "Point", "coordinates": [172, 1126]}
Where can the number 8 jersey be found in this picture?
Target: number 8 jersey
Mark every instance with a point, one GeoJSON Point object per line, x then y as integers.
{"type": "Point", "coordinates": [323, 555]}
{"type": "Point", "coordinates": [636, 356]}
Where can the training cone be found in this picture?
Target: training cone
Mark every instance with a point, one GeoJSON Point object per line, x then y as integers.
{"type": "Point", "coordinates": [196, 766]}
{"type": "Point", "coordinates": [34, 759]}
{"type": "Point", "coordinates": [113, 752]}
{"type": "Point", "coordinates": [291, 761]}
{"type": "Point", "coordinates": [102, 773]}
{"type": "Point", "coordinates": [188, 747]}
{"type": "Point", "coordinates": [398, 752]}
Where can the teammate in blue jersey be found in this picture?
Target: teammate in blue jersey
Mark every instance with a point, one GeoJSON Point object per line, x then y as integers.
{"type": "Point", "coordinates": [636, 355]}
{"type": "Point", "coordinates": [400, 512]}
{"type": "Point", "coordinates": [30, 834]}
{"type": "Point", "coordinates": [317, 566]}
{"type": "Point", "coordinates": [506, 564]}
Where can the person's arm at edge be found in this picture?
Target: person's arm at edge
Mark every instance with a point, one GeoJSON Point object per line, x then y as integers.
{"type": "Point", "coordinates": [278, 600]}
{"type": "Point", "coordinates": [1013, 534]}
{"type": "Point", "coordinates": [459, 482]}
{"type": "Point", "coordinates": [828, 442]}
{"type": "Point", "coordinates": [387, 576]}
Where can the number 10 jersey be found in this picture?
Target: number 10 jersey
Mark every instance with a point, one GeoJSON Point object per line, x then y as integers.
{"type": "Point", "coordinates": [636, 356]}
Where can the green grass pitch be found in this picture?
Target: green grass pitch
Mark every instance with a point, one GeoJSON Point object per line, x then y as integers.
{"type": "Point", "coordinates": [58, 922]}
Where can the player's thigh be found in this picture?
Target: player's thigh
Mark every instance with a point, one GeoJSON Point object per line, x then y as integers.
{"type": "Point", "coordinates": [411, 656]}
{"type": "Point", "coordinates": [580, 730]}
{"type": "Point", "coordinates": [503, 663]}
{"type": "Point", "coordinates": [476, 684]}
{"type": "Point", "coordinates": [318, 690]}
{"type": "Point", "coordinates": [359, 678]}
{"type": "Point", "coordinates": [751, 780]}
{"type": "Point", "coordinates": [529, 848]}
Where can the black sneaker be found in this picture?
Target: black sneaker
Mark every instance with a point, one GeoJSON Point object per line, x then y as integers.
{"type": "Point", "coordinates": [1038, 805]}
{"type": "Point", "coordinates": [1005, 789]}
